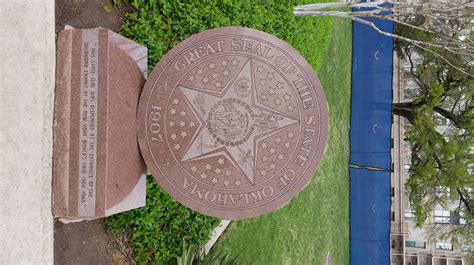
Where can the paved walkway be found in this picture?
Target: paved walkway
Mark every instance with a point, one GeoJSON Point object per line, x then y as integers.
{"type": "Point", "coordinates": [27, 61]}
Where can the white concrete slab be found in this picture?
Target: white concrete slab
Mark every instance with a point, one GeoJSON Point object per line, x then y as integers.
{"type": "Point", "coordinates": [27, 65]}
{"type": "Point", "coordinates": [218, 231]}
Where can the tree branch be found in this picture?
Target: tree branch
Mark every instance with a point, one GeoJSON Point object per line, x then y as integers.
{"type": "Point", "coordinates": [449, 115]}
{"type": "Point", "coordinates": [465, 201]}
{"type": "Point", "coordinates": [377, 11]}
{"type": "Point", "coordinates": [418, 79]}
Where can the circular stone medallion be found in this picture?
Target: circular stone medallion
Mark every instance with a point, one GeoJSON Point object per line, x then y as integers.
{"type": "Point", "coordinates": [233, 122]}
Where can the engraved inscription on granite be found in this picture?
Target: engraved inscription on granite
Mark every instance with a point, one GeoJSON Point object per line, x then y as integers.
{"type": "Point", "coordinates": [88, 124]}
{"type": "Point", "coordinates": [233, 123]}
{"type": "Point", "coordinates": [97, 166]}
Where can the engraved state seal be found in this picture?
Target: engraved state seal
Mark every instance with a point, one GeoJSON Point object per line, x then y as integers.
{"type": "Point", "coordinates": [233, 123]}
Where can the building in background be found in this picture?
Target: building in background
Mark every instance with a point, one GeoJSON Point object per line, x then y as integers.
{"type": "Point", "coordinates": [410, 244]}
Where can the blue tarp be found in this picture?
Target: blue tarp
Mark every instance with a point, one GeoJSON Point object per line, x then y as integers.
{"type": "Point", "coordinates": [370, 217]}
{"type": "Point", "coordinates": [370, 139]}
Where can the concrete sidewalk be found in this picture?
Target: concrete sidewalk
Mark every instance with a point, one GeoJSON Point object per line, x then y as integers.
{"type": "Point", "coordinates": [27, 64]}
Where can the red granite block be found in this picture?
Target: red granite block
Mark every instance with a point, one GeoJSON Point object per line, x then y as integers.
{"type": "Point", "coordinates": [97, 166]}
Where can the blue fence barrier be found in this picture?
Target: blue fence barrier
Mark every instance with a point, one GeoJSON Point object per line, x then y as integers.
{"type": "Point", "coordinates": [370, 139]}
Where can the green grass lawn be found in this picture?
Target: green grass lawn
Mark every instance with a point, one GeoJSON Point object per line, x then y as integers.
{"type": "Point", "coordinates": [317, 220]}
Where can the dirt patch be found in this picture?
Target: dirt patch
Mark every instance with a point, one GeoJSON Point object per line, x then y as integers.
{"type": "Point", "coordinates": [88, 242]}
{"type": "Point", "coordinates": [87, 14]}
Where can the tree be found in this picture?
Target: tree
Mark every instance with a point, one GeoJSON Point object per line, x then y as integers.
{"type": "Point", "coordinates": [436, 40]}
{"type": "Point", "coordinates": [442, 156]}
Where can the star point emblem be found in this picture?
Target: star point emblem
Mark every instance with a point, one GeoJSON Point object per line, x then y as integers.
{"type": "Point", "coordinates": [232, 123]}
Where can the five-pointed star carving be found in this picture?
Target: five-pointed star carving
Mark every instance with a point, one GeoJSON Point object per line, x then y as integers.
{"type": "Point", "coordinates": [242, 153]}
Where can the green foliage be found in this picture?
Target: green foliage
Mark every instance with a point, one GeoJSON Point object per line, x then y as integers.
{"type": "Point", "coordinates": [190, 253]}
{"type": "Point", "coordinates": [162, 24]}
{"type": "Point", "coordinates": [219, 258]}
{"type": "Point", "coordinates": [159, 229]}
{"type": "Point", "coordinates": [194, 255]}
